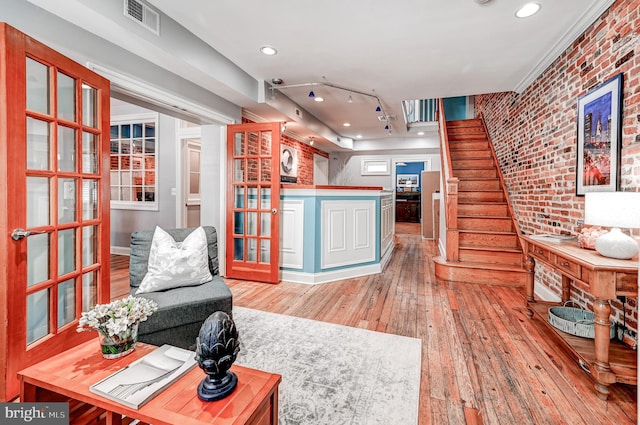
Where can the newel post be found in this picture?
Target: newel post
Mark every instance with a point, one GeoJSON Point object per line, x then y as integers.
{"type": "Point", "coordinates": [452, 219]}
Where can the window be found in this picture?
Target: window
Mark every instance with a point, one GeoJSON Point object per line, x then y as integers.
{"type": "Point", "coordinates": [134, 152]}
{"type": "Point", "coordinates": [372, 167]}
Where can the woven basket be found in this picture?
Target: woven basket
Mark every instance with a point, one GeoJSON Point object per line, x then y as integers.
{"type": "Point", "coordinates": [575, 321]}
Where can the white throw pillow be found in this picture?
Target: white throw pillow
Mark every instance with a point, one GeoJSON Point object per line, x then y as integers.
{"type": "Point", "coordinates": [173, 264]}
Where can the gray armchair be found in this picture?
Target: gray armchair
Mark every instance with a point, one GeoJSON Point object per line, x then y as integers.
{"type": "Point", "coordinates": [181, 311]}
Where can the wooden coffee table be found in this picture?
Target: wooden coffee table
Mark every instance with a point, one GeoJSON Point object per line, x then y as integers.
{"type": "Point", "coordinates": [68, 375]}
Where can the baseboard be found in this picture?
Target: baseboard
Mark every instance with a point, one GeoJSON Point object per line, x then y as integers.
{"type": "Point", "coordinates": [120, 250]}
{"type": "Point", "coordinates": [386, 257]}
{"type": "Point", "coordinates": [326, 277]}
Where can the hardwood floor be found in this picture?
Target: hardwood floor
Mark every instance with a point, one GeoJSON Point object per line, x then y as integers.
{"type": "Point", "coordinates": [483, 360]}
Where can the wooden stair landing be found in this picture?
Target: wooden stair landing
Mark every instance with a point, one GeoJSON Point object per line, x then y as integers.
{"type": "Point", "coordinates": [489, 249]}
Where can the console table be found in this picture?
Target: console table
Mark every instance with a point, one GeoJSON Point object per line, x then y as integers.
{"type": "Point", "coordinates": [68, 375]}
{"type": "Point", "coordinates": [605, 278]}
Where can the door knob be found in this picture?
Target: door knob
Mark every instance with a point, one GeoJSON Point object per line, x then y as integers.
{"type": "Point", "coordinates": [19, 234]}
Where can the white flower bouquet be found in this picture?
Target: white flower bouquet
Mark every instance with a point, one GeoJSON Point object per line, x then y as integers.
{"type": "Point", "coordinates": [117, 317]}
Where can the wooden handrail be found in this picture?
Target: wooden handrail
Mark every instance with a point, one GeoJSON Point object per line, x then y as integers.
{"type": "Point", "coordinates": [503, 186]}
{"type": "Point", "coordinates": [450, 189]}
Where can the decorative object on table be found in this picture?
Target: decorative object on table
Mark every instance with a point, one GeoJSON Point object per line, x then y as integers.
{"type": "Point", "coordinates": [588, 235]}
{"type": "Point", "coordinates": [140, 381]}
{"type": "Point", "coordinates": [599, 136]}
{"type": "Point", "coordinates": [217, 346]}
{"type": "Point", "coordinates": [616, 210]}
{"type": "Point", "coordinates": [117, 324]}
{"type": "Point", "coordinates": [576, 321]}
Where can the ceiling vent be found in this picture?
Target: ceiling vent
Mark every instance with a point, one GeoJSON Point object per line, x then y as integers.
{"type": "Point", "coordinates": [385, 118]}
{"type": "Point", "coordinates": [143, 14]}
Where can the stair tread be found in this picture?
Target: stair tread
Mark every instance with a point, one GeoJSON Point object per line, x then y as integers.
{"type": "Point", "coordinates": [480, 265]}
{"type": "Point", "coordinates": [501, 217]}
{"type": "Point", "coordinates": [489, 232]}
{"type": "Point", "coordinates": [487, 168]}
{"type": "Point", "coordinates": [483, 179]}
{"type": "Point", "coordinates": [489, 248]}
{"type": "Point", "coordinates": [485, 203]}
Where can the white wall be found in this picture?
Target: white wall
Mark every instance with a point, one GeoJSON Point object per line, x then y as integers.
{"type": "Point", "coordinates": [345, 167]}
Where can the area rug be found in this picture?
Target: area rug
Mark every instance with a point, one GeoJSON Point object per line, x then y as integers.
{"type": "Point", "coordinates": [333, 374]}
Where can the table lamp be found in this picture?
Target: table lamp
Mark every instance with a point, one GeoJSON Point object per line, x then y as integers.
{"type": "Point", "coordinates": [616, 210]}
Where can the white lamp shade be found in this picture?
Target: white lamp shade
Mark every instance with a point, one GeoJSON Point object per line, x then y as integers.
{"type": "Point", "coordinates": [612, 209]}
{"type": "Point", "coordinates": [617, 210]}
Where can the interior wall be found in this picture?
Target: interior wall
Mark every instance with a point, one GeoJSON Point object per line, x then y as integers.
{"type": "Point", "coordinates": [414, 168]}
{"type": "Point", "coordinates": [534, 133]}
{"type": "Point", "coordinates": [345, 168]}
{"type": "Point", "coordinates": [126, 221]}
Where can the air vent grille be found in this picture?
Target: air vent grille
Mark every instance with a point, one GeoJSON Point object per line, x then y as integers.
{"type": "Point", "coordinates": [142, 14]}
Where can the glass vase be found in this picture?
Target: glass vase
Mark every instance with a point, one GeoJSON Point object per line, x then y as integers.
{"type": "Point", "coordinates": [119, 345]}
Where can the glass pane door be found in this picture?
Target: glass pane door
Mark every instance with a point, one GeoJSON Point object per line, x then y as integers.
{"type": "Point", "coordinates": [254, 189]}
{"type": "Point", "coordinates": [57, 121]}
{"type": "Point", "coordinates": [61, 197]}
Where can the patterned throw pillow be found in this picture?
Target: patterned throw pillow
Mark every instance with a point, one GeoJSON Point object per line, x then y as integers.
{"type": "Point", "coordinates": [174, 264]}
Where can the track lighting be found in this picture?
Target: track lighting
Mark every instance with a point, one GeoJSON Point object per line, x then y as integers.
{"type": "Point", "coordinates": [277, 85]}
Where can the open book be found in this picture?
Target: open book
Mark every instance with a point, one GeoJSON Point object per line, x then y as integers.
{"type": "Point", "coordinates": [143, 379]}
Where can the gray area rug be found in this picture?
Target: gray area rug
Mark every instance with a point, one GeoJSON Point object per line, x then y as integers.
{"type": "Point", "coordinates": [333, 374]}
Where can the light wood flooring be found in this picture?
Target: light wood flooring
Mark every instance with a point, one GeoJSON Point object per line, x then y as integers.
{"type": "Point", "coordinates": [483, 360]}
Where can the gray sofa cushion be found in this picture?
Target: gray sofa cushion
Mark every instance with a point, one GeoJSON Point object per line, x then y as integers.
{"type": "Point", "coordinates": [184, 305]}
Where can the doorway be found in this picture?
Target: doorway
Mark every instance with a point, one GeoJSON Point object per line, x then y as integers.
{"type": "Point", "coordinates": [188, 175]}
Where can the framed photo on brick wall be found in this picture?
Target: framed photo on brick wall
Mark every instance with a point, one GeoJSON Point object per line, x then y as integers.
{"type": "Point", "coordinates": [599, 138]}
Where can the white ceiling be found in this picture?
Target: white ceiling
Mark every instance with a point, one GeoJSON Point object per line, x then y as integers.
{"type": "Point", "coordinates": [407, 49]}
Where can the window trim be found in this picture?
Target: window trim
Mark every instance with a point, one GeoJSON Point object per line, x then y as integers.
{"type": "Point", "coordinates": [138, 119]}
{"type": "Point", "coordinates": [366, 163]}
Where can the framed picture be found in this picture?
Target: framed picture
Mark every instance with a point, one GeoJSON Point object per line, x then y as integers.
{"type": "Point", "coordinates": [407, 180]}
{"type": "Point", "coordinates": [599, 138]}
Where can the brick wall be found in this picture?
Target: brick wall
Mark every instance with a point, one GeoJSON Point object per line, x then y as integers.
{"type": "Point", "coordinates": [305, 159]}
{"type": "Point", "coordinates": [535, 133]}
{"type": "Point", "coordinates": [305, 156]}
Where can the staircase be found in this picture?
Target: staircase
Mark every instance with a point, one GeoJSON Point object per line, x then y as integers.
{"type": "Point", "coordinates": [489, 249]}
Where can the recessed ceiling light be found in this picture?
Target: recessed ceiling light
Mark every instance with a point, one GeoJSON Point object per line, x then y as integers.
{"type": "Point", "coordinates": [420, 133]}
{"type": "Point", "coordinates": [347, 124]}
{"type": "Point", "coordinates": [318, 99]}
{"type": "Point", "coordinates": [528, 10]}
{"type": "Point", "coordinates": [359, 136]}
{"type": "Point", "coordinates": [268, 50]}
